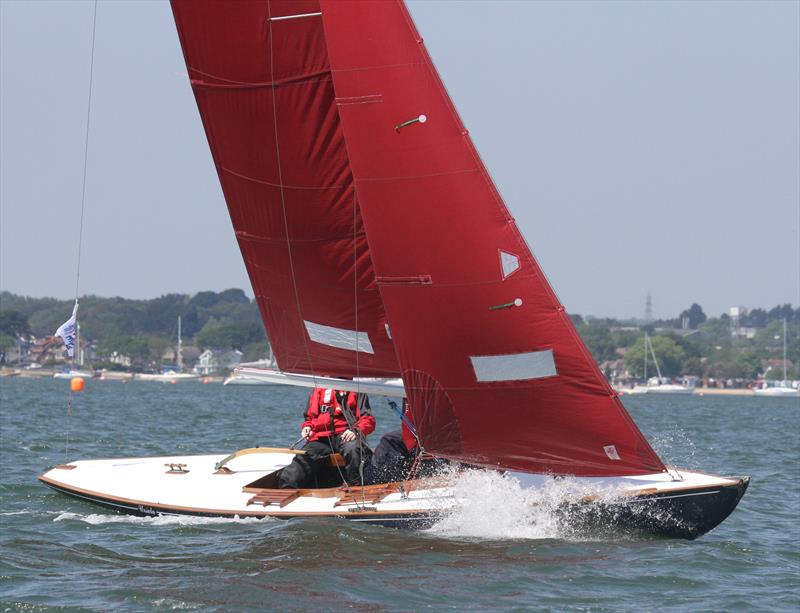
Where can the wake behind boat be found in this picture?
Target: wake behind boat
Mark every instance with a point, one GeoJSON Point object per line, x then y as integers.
{"type": "Point", "coordinates": [352, 185]}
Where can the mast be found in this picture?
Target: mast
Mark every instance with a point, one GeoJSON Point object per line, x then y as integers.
{"type": "Point", "coordinates": [646, 339]}
{"type": "Point", "coordinates": [180, 346]}
{"type": "Point", "coordinates": [80, 351]}
{"type": "Point", "coordinates": [784, 351]}
{"type": "Point", "coordinates": [655, 360]}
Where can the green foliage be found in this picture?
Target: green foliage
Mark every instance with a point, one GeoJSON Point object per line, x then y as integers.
{"type": "Point", "coordinates": [255, 351]}
{"type": "Point", "coordinates": [717, 331]}
{"type": "Point", "coordinates": [6, 341]}
{"type": "Point", "coordinates": [235, 296]}
{"type": "Point", "coordinates": [156, 346]}
{"type": "Point", "coordinates": [135, 347]}
{"type": "Point", "coordinates": [727, 369]}
{"type": "Point", "coordinates": [625, 338]}
{"type": "Point", "coordinates": [141, 329]}
{"type": "Point", "coordinates": [692, 367]}
{"type": "Point", "coordinates": [776, 374]}
{"type": "Point", "coordinates": [598, 339]}
{"type": "Point", "coordinates": [13, 323]}
{"type": "Point", "coordinates": [750, 362]}
{"type": "Point", "coordinates": [694, 314]}
{"type": "Point", "coordinates": [218, 335]}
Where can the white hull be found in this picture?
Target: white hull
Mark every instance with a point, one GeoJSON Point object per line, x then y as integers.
{"type": "Point", "coordinates": [777, 392]}
{"type": "Point", "coordinates": [73, 373]}
{"type": "Point", "coordinates": [168, 377]}
{"type": "Point", "coordinates": [192, 485]}
{"type": "Point", "coordinates": [662, 389]}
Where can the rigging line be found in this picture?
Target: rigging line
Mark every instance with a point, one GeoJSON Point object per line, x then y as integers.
{"type": "Point", "coordinates": [358, 366]}
{"type": "Point", "coordinates": [86, 154]}
{"type": "Point", "coordinates": [80, 223]}
{"type": "Point", "coordinates": [283, 197]}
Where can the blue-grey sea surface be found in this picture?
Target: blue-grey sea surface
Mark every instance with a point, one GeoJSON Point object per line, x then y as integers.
{"type": "Point", "coordinates": [60, 553]}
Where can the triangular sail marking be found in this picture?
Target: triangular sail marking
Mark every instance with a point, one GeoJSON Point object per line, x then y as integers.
{"type": "Point", "coordinates": [509, 263]}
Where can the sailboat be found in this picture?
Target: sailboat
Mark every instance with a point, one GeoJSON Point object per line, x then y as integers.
{"type": "Point", "coordinates": [780, 389]}
{"type": "Point", "coordinates": [658, 384]}
{"type": "Point", "coordinates": [169, 374]}
{"type": "Point", "coordinates": [71, 373]}
{"type": "Point", "coordinates": [380, 250]}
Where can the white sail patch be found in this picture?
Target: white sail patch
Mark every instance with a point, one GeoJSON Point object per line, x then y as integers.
{"type": "Point", "coordinates": [514, 366]}
{"type": "Point", "coordinates": [611, 452]}
{"type": "Point", "coordinates": [339, 337]}
{"type": "Point", "coordinates": [509, 263]}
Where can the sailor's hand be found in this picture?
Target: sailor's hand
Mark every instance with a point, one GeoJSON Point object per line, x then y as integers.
{"type": "Point", "coordinates": [305, 432]}
{"type": "Point", "coordinates": [348, 435]}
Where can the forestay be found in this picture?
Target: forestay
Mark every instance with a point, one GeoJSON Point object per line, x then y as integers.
{"type": "Point", "coordinates": [365, 213]}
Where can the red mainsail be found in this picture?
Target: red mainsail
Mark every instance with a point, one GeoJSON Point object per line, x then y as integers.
{"type": "Point", "coordinates": [362, 206]}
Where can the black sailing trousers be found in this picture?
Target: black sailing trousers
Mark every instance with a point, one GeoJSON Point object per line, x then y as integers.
{"type": "Point", "coordinates": [301, 472]}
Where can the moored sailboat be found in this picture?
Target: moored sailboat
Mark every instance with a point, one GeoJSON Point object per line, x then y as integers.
{"type": "Point", "coordinates": [171, 374]}
{"type": "Point", "coordinates": [658, 384]}
{"type": "Point", "coordinates": [782, 388]}
{"type": "Point", "coordinates": [351, 183]}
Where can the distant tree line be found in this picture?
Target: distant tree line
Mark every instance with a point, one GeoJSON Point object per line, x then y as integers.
{"type": "Point", "coordinates": [145, 329]}
{"type": "Point", "coordinates": [142, 329]}
{"type": "Point", "coordinates": [714, 351]}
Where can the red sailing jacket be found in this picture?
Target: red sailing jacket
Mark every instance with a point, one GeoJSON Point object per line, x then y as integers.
{"type": "Point", "coordinates": [324, 401]}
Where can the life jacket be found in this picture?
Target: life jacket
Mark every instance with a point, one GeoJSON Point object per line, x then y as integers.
{"type": "Point", "coordinates": [325, 416]}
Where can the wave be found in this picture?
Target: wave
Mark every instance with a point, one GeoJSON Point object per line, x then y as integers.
{"type": "Point", "coordinates": [97, 519]}
{"type": "Point", "coordinates": [494, 506]}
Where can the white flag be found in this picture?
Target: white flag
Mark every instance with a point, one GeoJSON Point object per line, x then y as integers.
{"type": "Point", "coordinates": [67, 331]}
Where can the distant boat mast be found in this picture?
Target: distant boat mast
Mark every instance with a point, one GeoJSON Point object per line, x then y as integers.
{"type": "Point", "coordinates": [784, 351]}
{"type": "Point", "coordinates": [180, 346]}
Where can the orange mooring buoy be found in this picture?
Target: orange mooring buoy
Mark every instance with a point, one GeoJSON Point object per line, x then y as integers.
{"type": "Point", "coordinates": [76, 384]}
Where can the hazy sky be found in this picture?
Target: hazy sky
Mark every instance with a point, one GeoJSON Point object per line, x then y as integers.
{"type": "Point", "coordinates": [642, 146]}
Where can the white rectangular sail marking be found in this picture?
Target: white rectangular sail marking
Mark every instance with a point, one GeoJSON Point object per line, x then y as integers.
{"type": "Point", "coordinates": [339, 338]}
{"type": "Point", "coordinates": [515, 366]}
{"type": "Point", "coordinates": [298, 16]}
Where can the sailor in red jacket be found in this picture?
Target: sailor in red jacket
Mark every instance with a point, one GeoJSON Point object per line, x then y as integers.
{"type": "Point", "coordinates": [335, 422]}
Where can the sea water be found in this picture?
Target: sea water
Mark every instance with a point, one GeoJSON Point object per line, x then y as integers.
{"type": "Point", "coordinates": [501, 551]}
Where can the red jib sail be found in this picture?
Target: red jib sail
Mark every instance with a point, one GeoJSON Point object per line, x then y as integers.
{"type": "Point", "coordinates": [357, 115]}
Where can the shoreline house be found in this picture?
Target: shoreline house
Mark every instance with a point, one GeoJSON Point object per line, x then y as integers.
{"type": "Point", "coordinates": [214, 360]}
{"type": "Point", "coordinates": [190, 354]}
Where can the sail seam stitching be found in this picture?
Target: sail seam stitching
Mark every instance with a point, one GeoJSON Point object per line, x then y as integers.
{"type": "Point", "coordinates": [283, 198]}
{"type": "Point", "coordinates": [303, 78]}
{"type": "Point", "coordinates": [282, 186]}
